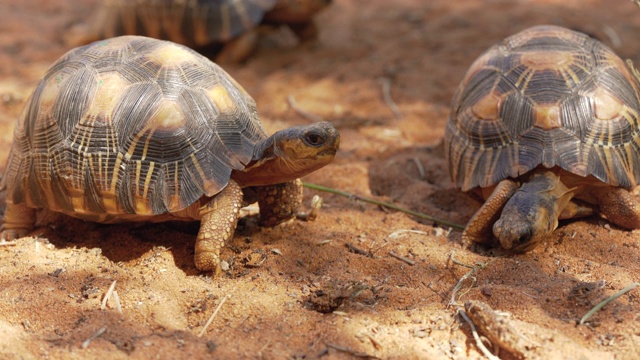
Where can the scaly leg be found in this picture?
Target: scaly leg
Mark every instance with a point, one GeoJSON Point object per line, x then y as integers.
{"type": "Point", "coordinates": [479, 228]}
{"type": "Point", "coordinates": [620, 207]}
{"type": "Point", "coordinates": [218, 220]}
{"type": "Point", "coordinates": [19, 219]}
{"type": "Point", "coordinates": [279, 203]}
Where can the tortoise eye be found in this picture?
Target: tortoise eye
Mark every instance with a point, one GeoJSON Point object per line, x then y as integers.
{"type": "Point", "coordinates": [314, 139]}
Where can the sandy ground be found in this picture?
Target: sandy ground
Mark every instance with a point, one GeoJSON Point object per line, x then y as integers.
{"type": "Point", "coordinates": [302, 291]}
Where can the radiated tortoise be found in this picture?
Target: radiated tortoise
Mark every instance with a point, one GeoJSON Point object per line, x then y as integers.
{"type": "Point", "coordinates": [545, 125]}
{"type": "Point", "coordinates": [138, 129]}
{"type": "Point", "coordinates": [230, 25]}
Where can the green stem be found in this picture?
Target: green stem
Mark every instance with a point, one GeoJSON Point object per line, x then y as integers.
{"type": "Point", "coordinates": [607, 300]}
{"type": "Point", "coordinates": [384, 204]}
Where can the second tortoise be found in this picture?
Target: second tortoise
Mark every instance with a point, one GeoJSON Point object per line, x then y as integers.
{"type": "Point", "coordinates": [230, 27]}
{"type": "Point", "coordinates": [545, 126]}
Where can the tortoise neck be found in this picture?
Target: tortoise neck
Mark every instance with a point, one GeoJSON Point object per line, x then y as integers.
{"type": "Point", "coordinates": [268, 165]}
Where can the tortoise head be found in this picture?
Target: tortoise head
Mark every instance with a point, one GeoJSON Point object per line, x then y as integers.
{"type": "Point", "coordinates": [290, 154]}
{"type": "Point", "coordinates": [524, 223]}
{"type": "Point", "coordinates": [532, 212]}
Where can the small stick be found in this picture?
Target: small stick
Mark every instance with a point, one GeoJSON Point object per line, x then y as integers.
{"type": "Point", "coordinates": [357, 250]}
{"type": "Point", "coordinates": [386, 95]}
{"type": "Point", "coordinates": [479, 342]}
{"type": "Point", "coordinates": [430, 287]}
{"type": "Point", "coordinates": [350, 351]}
{"type": "Point", "coordinates": [397, 233]}
{"type": "Point", "coordinates": [606, 301]}
{"type": "Point", "coordinates": [8, 243]}
{"type": "Point", "coordinates": [86, 343]}
{"type": "Point", "coordinates": [613, 36]}
{"type": "Point", "coordinates": [384, 204]}
{"type": "Point", "coordinates": [469, 274]}
{"type": "Point", "coordinates": [376, 344]}
{"type": "Point", "coordinates": [460, 263]}
{"type": "Point", "coordinates": [215, 312]}
{"type": "Point", "coordinates": [316, 204]}
{"type": "Point", "coordinates": [305, 114]}
{"type": "Point", "coordinates": [402, 258]}
{"type": "Point", "coordinates": [116, 298]}
{"type": "Point", "coordinates": [420, 167]}
{"type": "Point", "coordinates": [107, 295]}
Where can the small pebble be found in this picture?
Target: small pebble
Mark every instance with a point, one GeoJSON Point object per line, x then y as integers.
{"type": "Point", "coordinates": [486, 291]}
{"type": "Point", "coordinates": [224, 266]}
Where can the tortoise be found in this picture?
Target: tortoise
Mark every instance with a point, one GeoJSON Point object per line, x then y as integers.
{"type": "Point", "coordinates": [204, 23]}
{"type": "Point", "coordinates": [134, 129]}
{"type": "Point", "coordinates": [545, 126]}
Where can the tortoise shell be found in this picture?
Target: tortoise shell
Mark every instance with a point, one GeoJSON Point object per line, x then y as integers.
{"type": "Point", "coordinates": [130, 125]}
{"type": "Point", "coordinates": [197, 23]}
{"type": "Point", "coordinates": [191, 22]}
{"type": "Point", "coordinates": [550, 97]}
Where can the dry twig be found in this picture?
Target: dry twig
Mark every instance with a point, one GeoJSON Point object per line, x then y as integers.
{"type": "Point", "coordinates": [398, 233]}
{"type": "Point", "coordinates": [612, 35]}
{"type": "Point", "coordinates": [606, 301]}
{"type": "Point", "coordinates": [350, 351]}
{"type": "Point", "coordinates": [215, 312]}
{"type": "Point", "coordinates": [470, 274]}
{"type": "Point", "coordinates": [86, 343]}
{"type": "Point", "coordinates": [474, 332]}
{"type": "Point", "coordinates": [116, 298]}
{"type": "Point", "coordinates": [402, 258]}
{"type": "Point", "coordinates": [305, 114]}
{"type": "Point", "coordinates": [357, 250]}
{"type": "Point", "coordinates": [384, 204]}
{"type": "Point", "coordinates": [107, 295]}
{"type": "Point", "coordinates": [420, 167]}
{"type": "Point", "coordinates": [386, 95]}
{"type": "Point", "coordinates": [316, 204]}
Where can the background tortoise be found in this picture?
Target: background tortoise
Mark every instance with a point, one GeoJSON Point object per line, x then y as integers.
{"type": "Point", "coordinates": [546, 124]}
{"type": "Point", "coordinates": [138, 129]}
{"type": "Point", "coordinates": [199, 23]}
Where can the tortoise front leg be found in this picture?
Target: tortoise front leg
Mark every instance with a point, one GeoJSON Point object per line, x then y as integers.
{"type": "Point", "coordinates": [218, 220]}
{"type": "Point", "coordinates": [620, 207]}
{"type": "Point", "coordinates": [279, 203]}
{"type": "Point", "coordinates": [480, 227]}
{"type": "Point", "coordinates": [19, 219]}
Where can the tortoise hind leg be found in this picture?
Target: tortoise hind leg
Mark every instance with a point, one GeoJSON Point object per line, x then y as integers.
{"type": "Point", "coordinates": [279, 203]}
{"type": "Point", "coordinates": [218, 220]}
{"type": "Point", "coordinates": [19, 219]}
{"type": "Point", "coordinates": [480, 227]}
{"type": "Point", "coordinates": [620, 207]}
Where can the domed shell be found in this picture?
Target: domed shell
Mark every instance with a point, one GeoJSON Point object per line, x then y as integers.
{"type": "Point", "coordinates": [130, 125]}
{"type": "Point", "coordinates": [189, 22]}
{"type": "Point", "coordinates": [547, 96]}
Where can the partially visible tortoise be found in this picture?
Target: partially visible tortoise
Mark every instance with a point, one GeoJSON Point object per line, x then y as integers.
{"type": "Point", "coordinates": [545, 126]}
{"type": "Point", "coordinates": [138, 129]}
{"type": "Point", "coordinates": [200, 23]}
